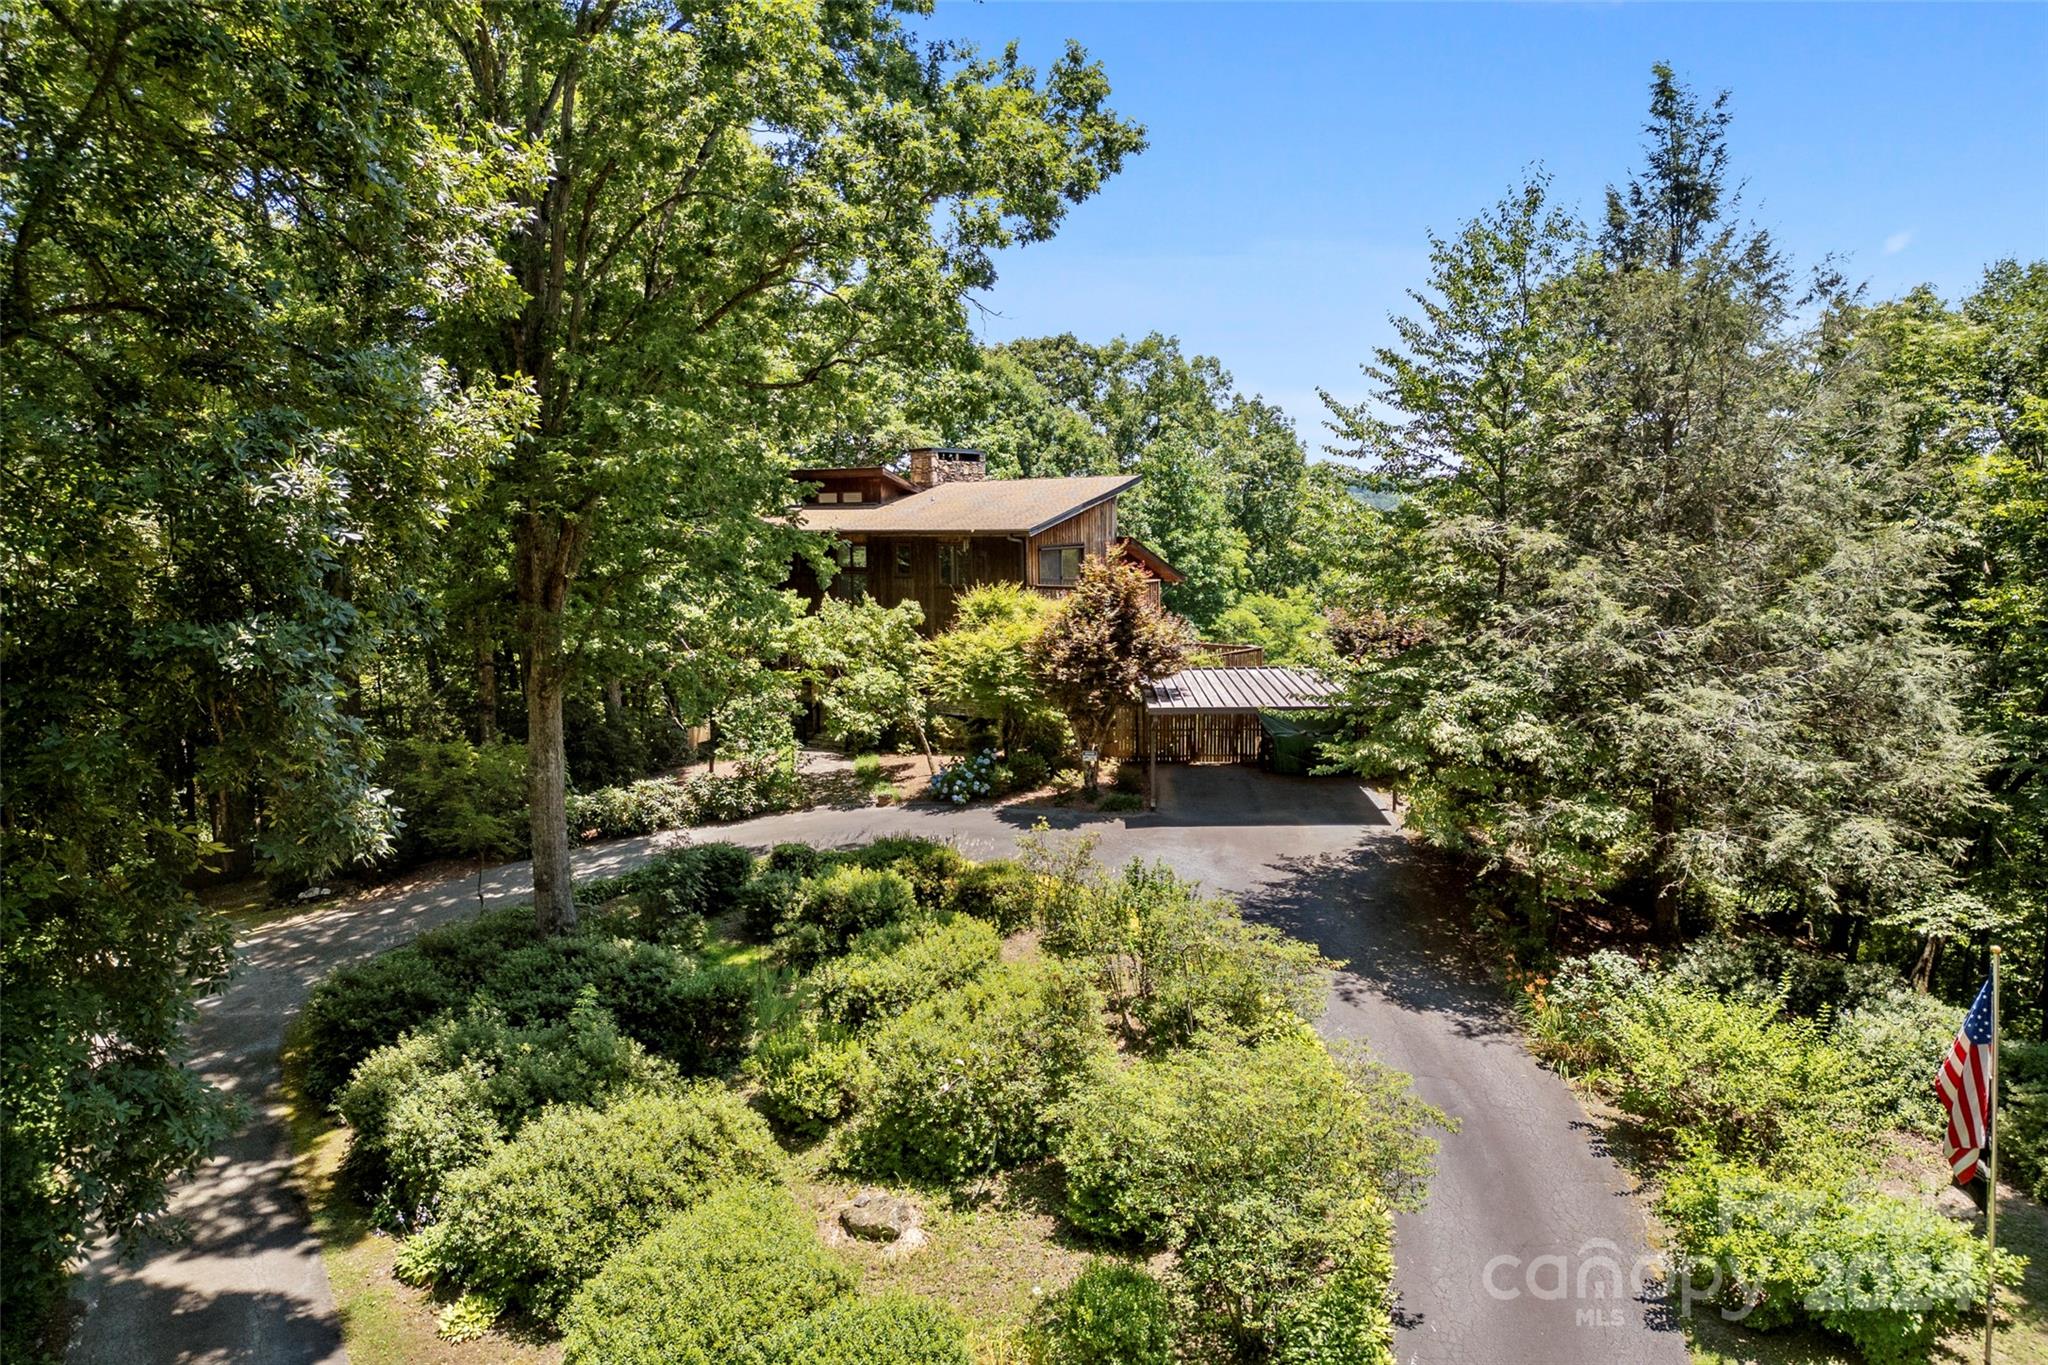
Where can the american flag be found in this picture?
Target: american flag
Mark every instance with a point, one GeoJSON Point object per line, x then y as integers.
{"type": "Point", "coordinates": [1964, 1084]}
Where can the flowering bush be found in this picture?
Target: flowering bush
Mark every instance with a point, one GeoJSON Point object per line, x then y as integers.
{"type": "Point", "coordinates": [661, 803]}
{"type": "Point", "coordinates": [971, 778]}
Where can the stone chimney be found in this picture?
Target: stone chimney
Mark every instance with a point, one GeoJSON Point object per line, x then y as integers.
{"type": "Point", "coordinates": [934, 465]}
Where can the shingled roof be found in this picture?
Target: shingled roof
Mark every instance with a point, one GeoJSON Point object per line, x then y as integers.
{"type": "Point", "coordinates": [1014, 507]}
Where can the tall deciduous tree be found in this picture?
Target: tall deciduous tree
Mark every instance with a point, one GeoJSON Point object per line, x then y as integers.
{"type": "Point", "coordinates": [225, 450]}
{"type": "Point", "coordinates": [740, 206]}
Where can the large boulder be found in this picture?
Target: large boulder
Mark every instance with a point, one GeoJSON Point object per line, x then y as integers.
{"type": "Point", "coordinates": [878, 1216]}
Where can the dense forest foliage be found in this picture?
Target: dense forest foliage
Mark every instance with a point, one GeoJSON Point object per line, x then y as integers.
{"type": "Point", "coordinates": [385, 388]}
{"type": "Point", "coordinates": [1710, 592]}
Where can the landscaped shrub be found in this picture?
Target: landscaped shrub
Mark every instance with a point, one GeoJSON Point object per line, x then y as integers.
{"type": "Point", "coordinates": [645, 807]}
{"type": "Point", "coordinates": [974, 778]}
{"type": "Point", "coordinates": [1888, 1274]}
{"type": "Point", "coordinates": [898, 1328]}
{"type": "Point", "coordinates": [1738, 1073]}
{"type": "Point", "coordinates": [1153, 1148]}
{"type": "Point", "coordinates": [774, 896]}
{"type": "Point", "coordinates": [999, 891]}
{"type": "Point", "coordinates": [708, 1286]}
{"type": "Point", "coordinates": [1175, 964]}
{"type": "Point", "coordinates": [1112, 1314]}
{"type": "Point", "coordinates": [700, 879]}
{"type": "Point", "coordinates": [1575, 1017]}
{"type": "Point", "coordinates": [697, 1017]}
{"type": "Point", "coordinates": [887, 970]}
{"type": "Point", "coordinates": [1303, 1279]}
{"type": "Point", "coordinates": [928, 865]}
{"type": "Point", "coordinates": [966, 1082]}
{"type": "Point", "coordinates": [811, 1075]}
{"type": "Point", "coordinates": [528, 1226]}
{"type": "Point", "coordinates": [1028, 770]}
{"type": "Point", "coordinates": [838, 904]}
{"type": "Point", "coordinates": [1894, 1042]}
{"type": "Point", "coordinates": [801, 859]}
{"type": "Point", "coordinates": [361, 1007]}
{"type": "Point", "coordinates": [2023, 1116]}
{"type": "Point", "coordinates": [663, 803]}
{"type": "Point", "coordinates": [445, 1096]}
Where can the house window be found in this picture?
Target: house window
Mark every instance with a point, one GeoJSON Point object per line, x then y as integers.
{"type": "Point", "coordinates": [952, 565]}
{"type": "Point", "coordinates": [902, 559]}
{"type": "Point", "coordinates": [850, 556]}
{"type": "Point", "coordinates": [852, 495]}
{"type": "Point", "coordinates": [1059, 563]}
{"type": "Point", "coordinates": [828, 497]}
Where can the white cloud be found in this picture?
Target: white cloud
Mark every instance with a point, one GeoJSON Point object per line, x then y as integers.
{"type": "Point", "coordinates": [1898, 242]}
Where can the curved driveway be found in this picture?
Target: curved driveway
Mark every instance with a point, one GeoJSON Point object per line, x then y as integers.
{"type": "Point", "coordinates": [1527, 1251]}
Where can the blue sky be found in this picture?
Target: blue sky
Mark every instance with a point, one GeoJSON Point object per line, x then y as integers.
{"type": "Point", "coordinates": [1300, 153]}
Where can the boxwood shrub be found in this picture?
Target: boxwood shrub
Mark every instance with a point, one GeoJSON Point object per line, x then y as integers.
{"type": "Point", "coordinates": [1112, 1314]}
{"type": "Point", "coordinates": [898, 1328]}
{"type": "Point", "coordinates": [446, 1096]}
{"type": "Point", "coordinates": [998, 891]}
{"type": "Point", "coordinates": [363, 1006]}
{"type": "Point", "coordinates": [811, 1075]}
{"type": "Point", "coordinates": [524, 1229]}
{"type": "Point", "coordinates": [966, 1082]}
{"type": "Point", "coordinates": [887, 970]}
{"type": "Point", "coordinates": [708, 1285]}
{"type": "Point", "coordinates": [839, 903]}
{"type": "Point", "coordinates": [1152, 1148]}
{"type": "Point", "coordinates": [928, 865]}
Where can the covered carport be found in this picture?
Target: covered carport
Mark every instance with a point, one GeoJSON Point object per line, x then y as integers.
{"type": "Point", "coordinates": [1216, 711]}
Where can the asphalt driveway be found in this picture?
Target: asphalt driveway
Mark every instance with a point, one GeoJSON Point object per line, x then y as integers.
{"type": "Point", "coordinates": [1530, 1248]}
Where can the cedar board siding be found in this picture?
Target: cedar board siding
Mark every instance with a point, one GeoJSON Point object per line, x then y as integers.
{"type": "Point", "coordinates": [989, 559]}
{"type": "Point", "coordinates": [1092, 529]}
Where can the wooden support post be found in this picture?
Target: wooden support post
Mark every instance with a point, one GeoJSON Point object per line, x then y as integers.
{"type": "Point", "coordinates": [1151, 728]}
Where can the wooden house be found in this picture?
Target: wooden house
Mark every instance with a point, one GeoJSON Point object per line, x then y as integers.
{"type": "Point", "coordinates": [945, 527]}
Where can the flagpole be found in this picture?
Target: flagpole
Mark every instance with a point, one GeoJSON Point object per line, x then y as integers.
{"type": "Point", "coordinates": [1991, 1188]}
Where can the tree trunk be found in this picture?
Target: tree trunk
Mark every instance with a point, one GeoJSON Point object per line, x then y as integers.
{"type": "Point", "coordinates": [547, 791]}
{"type": "Point", "coordinates": [1923, 969]}
{"type": "Point", "coordinates": [486, 693]}
{"type": "Point", "coordinates": [1664, 825]}
{"type": "Point", "coordinates": [550, 549]}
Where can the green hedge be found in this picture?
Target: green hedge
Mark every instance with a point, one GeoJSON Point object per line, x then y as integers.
{"type": "Point", "coordinates": [1269, 1170]}
{"type": "Point", "coordinates": [662, 803]}
{"type": "Point", "coordinates": [927, 864]}
{"type": "Point", "coordinates": [528, 1226]}
{"type": "Point", "coordinates": [887, 970]}
{"type": "Point", "coordinates": [998, 891]}
{"type": "Point", "coordinates": [708, 1285]}
{"type": "Point", "coordinates": [359, 1008]}
{"type": "Point", "coordinates": [967, 1082]}
{"type": "Point", "coordinates": [697, 1017]}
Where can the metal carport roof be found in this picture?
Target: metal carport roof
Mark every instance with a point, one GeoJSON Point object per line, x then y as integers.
{"type": "Point", "coordinates": [1226, 691]}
